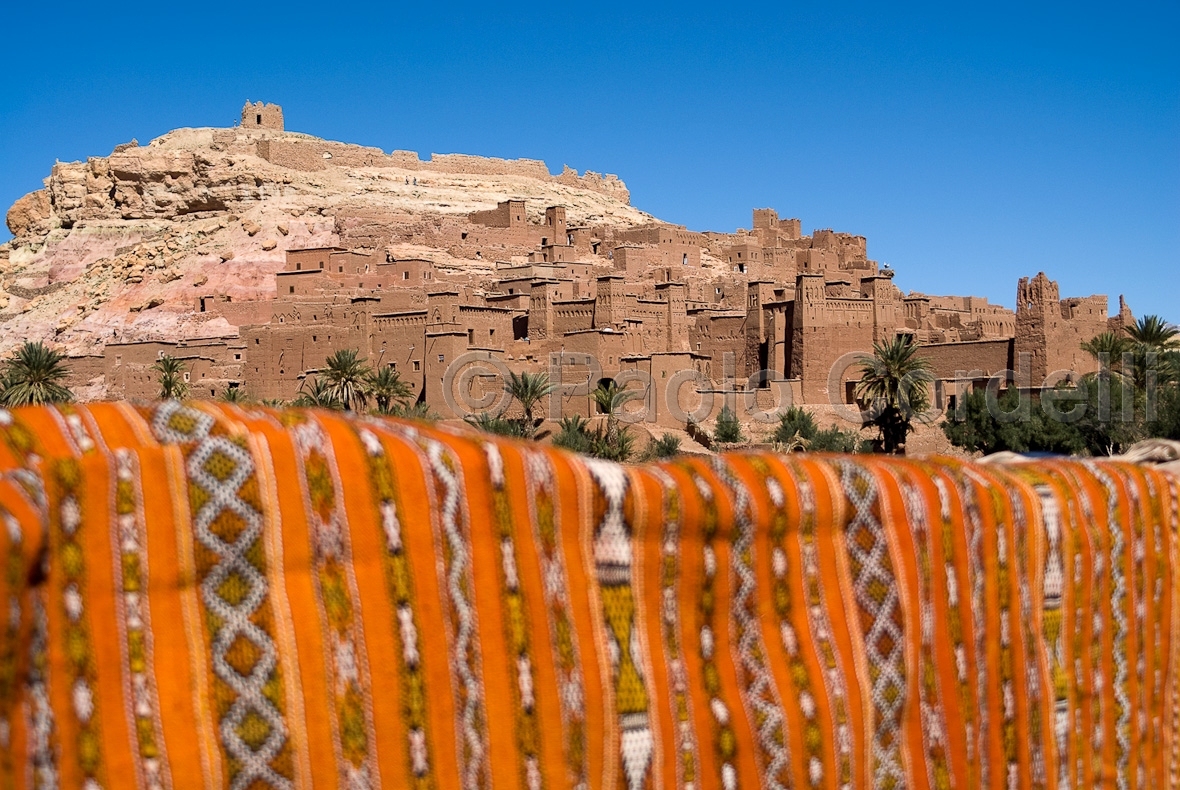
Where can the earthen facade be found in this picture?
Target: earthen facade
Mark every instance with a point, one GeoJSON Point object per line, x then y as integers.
{"type": "Point", "coordinates": [764, 310]}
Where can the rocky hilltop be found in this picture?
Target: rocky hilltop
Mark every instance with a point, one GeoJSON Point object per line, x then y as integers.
{"type": "Point", "coordinates": [117, 246]}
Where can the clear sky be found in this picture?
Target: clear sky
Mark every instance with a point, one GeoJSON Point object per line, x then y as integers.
{"type": "Point", "coordinates": [972, 146]}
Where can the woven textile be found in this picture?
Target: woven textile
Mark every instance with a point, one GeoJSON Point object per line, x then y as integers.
{"type": "Point", "coordinates": [209, 595]}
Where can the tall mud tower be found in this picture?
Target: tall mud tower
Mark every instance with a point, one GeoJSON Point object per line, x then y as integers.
{"type": "Point", "coordinates": [262, 116]}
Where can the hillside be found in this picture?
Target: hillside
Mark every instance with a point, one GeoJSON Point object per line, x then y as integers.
{"type": "Point", "coordinates": [115, 247]}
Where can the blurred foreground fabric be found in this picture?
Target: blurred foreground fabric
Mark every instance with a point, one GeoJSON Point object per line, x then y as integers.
{"type": "Point", "coordinates": [208, 595]}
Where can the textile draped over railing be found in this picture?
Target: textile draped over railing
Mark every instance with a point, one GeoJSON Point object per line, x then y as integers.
{"type": "Point", "coordinates": [209, 595]}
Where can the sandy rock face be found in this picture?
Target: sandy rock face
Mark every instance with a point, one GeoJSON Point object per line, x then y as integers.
{"type": "Point", "coordinates": [123, 246]}
{"type": "Point", "coordinates": [29, 212]}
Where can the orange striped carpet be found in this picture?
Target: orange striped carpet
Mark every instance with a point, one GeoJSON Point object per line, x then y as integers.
{"type": "Point", "coordinates": [207, 595]}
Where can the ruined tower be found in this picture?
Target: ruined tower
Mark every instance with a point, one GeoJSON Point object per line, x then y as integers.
{"type": "Point", "coordinates": [257, 115]}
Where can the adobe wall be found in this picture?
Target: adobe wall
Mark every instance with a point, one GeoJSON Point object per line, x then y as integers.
{"type": "Point", "coordinates": [310, 154]}
{"type": "Point", "coordinates": [506, 214]}
{"type": "Point", "coordinates": [825, 329]}
{"type": "Point", "coordinates": [262, 116]}
{"type": "Point", "coordinates": [948, 359]}
{"type": "Point", "coordinates": [1051, 330]}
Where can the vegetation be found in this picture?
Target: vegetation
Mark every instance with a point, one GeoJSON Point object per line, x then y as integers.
{"type": "Point", "coordinates": [1108, 348]}
{"type": "Point", "coordinates": [171, 372]}
{"type": "Point", "coordinates": [317, 393]}
{"type": "Point", "coordinates": [348, 375]}
{"type": "Point", "coordinates": [610, 398]}
{"type": "Point", "coordinates": [613, 441]}
{"type": "Point", "coordinates": [234, 395]}
{"type": "Point", "coordinates": [388, 390]}
{"type": "Point", "coordinates": [796, 429]}
{"type": "Point", "coordinates": [499, 426]}
{"type": "Point", "coordinates": [574, 435]}
{"type": "Point", "coordinates": [895, 382]}
{"type": "Point", "coordinates": [413, 411]}
{"type": "Point", "coordinates": [528, 389]}
{"type": "Point", "coordinates": [728, 429]}
{"type": "Point", "coordinates": [667, 446]}
{"type": "Point", "coordinates": [33, 376]}
{"type": "Point", "coordinates": [1154, 332]}
{"type": "Point", "coordinates": [1132, 397]}
{"type": "Point", "coordinates": [797, 432]}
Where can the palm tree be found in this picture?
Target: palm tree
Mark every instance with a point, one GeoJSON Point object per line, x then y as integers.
{"type": "Point", "coordinates": [33, 376]}
{"type": "Point", "coordinates": [1152, 341]}
{"type": "Point", "coordinates": [348, 376]}
{"type": "Point", "coordinates": [171, 370]}
{"type": "Point", "coordinates": [234, 395]}
{"type": "Point", "coordinates": [1154, 332]}
{"type": "Point", "coordinates": [529, 389]}
{"type": "Point", "coordinates": [610, 399]}
{"type": "Point", "coordinates": [318, 394]}
{"type": "Point", "coordinates": [388, 389]}
{"type": "Point", "coordinates": [895, 381]}
{"type": "Point", "coordinates": [1112, 344]}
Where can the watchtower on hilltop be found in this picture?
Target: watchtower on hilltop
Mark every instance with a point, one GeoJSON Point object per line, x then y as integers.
{"type": "Point", "coordinates": [262, 116]}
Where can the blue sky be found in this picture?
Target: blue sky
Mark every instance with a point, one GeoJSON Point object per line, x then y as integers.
{"type": "Point", "coordinates": [972, 146]}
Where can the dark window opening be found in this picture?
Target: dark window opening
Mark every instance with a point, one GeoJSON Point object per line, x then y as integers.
{"type": "Point", "coordinates": [298, 267]}
{"type": "Point", "coordinates": [258, 120]}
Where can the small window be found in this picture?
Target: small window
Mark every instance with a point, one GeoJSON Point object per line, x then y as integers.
{"type": "Point", "coordinates": [118, 359]}
{"type": "Point", "coordinates": [321, 264]}
{"type": "Point", "coordinates": [314, 338]}
{"type": "Point", "coordinates": [237, 357]}
{"type": "Point", "coordinates": [298, 267]}
{"type": "Point", "coordinates": [405, 275]}
{"type": "Point", "coordinates": [340, 270]}
{"type": "Point", "coordinates": [258, 120]}
{"type": "Point", "coordinates": [491, 333]}
{"type": "Point", "coordinates": [442, 358]}
{"type": "Point", "coordinates": [417, 365]}
{"type": "Point", "coordinates": [186, 376]}
{"type": "Point", "coordinates": [257, 341]}
{"type": "Point", "coordinates": [470, 336]}
{"type": "Point", "coordinates": [291, 289]}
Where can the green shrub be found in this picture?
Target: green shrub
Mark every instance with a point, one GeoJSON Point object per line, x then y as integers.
{"type": "Point", "coordinates": [728, 429]}
{"type": "Point", "coordinates": [835, 440]}
{"type": "Point", "coordinates": [573, 435]}
{"type": "Point", "coordinates": [499, 426]}
{"type": "Point", "coordinates": [667, 446]}
{"type": "Point", "coordinates": [794, 425]}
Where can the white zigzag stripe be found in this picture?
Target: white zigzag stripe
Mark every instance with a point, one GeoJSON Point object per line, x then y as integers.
{"type": "Point", "coordinates": [223, 496]}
